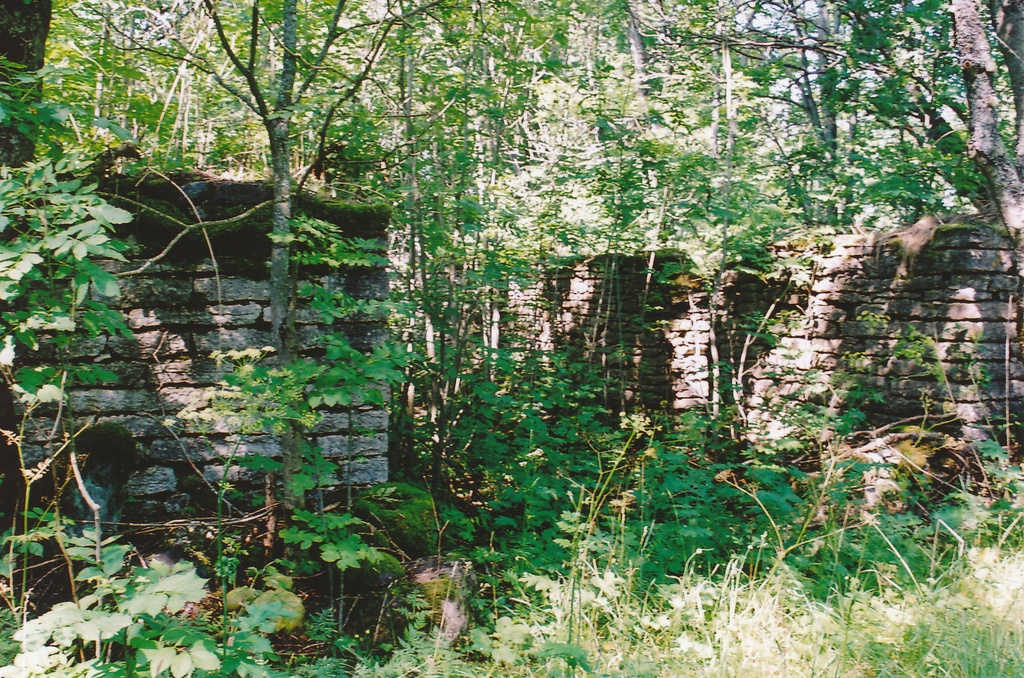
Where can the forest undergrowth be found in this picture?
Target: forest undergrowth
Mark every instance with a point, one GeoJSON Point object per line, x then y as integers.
{"type": "Point", "coordinates": [615, 546]}
{"type": "Point", "coordinates": [667, 563]}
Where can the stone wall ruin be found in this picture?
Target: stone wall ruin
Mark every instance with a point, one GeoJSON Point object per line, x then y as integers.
{"type": "Point", "coordinates": [189, 304]}
{"type": "Point", "coordinates": [924, 321]}
{"type": "Point", "coordinates": [920, 321]}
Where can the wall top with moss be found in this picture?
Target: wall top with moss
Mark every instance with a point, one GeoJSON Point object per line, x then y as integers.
{"type": "Point", "coordinates": [238, 215]}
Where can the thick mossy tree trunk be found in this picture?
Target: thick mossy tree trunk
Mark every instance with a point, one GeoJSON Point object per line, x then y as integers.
{"type": "Point", "coordinates": [24, 25]}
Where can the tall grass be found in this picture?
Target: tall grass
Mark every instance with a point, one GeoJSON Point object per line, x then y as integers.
{"type": "Point", "coordinates": [966, 621]}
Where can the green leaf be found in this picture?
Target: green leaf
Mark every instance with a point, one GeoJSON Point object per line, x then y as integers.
{"type": "Point", "coordinates": [181, 665]}
{"type": "Point", "coordinates": [573, 654]}
{"type": "Point", "coordinates": [109, 214]}
{"type": "Point", "coordinates": [203, 658]}
{"type": "Point", "coordinates": [120, 132]}
{"type": "Point", "coordinates": [159, 659]}
{"type": "Point", "coordinates": [503, 654]}
{"type": "Point", "coordinates": [49, 393]}
{"type": "Point", "coordinates": [151, 604]}
{"type": "Point", "coordinates": [107, 625]}
{"type": "Point", "coordinates": [113, 556]}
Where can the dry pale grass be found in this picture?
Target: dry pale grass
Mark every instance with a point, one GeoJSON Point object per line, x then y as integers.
{"type": "Point", "coordinates": [966, 623]}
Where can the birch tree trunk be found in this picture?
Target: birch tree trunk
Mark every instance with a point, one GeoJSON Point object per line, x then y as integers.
{"type": "Point", "coordinates": [986, 145]}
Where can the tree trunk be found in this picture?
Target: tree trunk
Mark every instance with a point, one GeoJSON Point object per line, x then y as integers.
{"type": "Point", "coordinates": [282, 282]}
{"type": "Point", "coordinates": [24, 25]}
{"type": "Point", "coordinates": [282, 297]}
{"type": "Point", "coordinates": [1008, 21]}
{"type": "Point", "coordinates": [986, 146]}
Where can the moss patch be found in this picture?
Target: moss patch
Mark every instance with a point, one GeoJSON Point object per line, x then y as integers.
{"type": "Point", "coordinates": [402, 516]}
{"type": "Point", "coordinates": [378, 575]}
{"type": "Point", "coordinates": [355, 221]}
{"type": "Point", "coordinates": [239, 239]}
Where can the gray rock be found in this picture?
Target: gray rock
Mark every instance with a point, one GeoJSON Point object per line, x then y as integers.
{"type": "Point", "coordinates": [341, 446]}
{"type": "Point", "coordinates": [146, 292]}
{"type": "Point", "coordinates": [153, 480]}
{"type": "Point", "coordinates": [181, 449]}
{"type": "Point", "coordinates": [241, 193]}
{"type": "Point", "coordinates": [365, 471]}
{"type": "Point", "coordinates": [457, 580]}
{"type": "Point", "coordinates": [364, 336]}
{"type": "Point", "coordinates": [197, 191]}
{"type": "Point", "coordinates": [215, 473]}
{"type": "Point", "coordinates": [361, 420]}
{"type": "Point", "coordinates": [141, 426]}
{"type": "Point", "coordinates": [111, 401]}
{"type": "Point", "coordinates": [176, 503]}
{"type": "Point", "coordinates": [188, 372]}
{"type": "Point", "coordinates": [223, 339]}
{"type": "Point", "coordinates": [232, 290]}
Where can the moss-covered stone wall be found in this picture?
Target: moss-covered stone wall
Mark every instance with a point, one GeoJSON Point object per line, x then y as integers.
{"type": "Point", "coordinates": [924, 320]}
{"type": "Point", "coordinates": [211, 293]}
{"type": "Point", "coordinates": [920, 321]}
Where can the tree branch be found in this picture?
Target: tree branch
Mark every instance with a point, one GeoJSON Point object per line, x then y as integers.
{"type": "Point", "coordinates": [249, 75]}
{"type": "Point", "coordinates": [254, 37]}
{"type": "Point", "coordinates": [1008, 20]}
{"type": "Point", "coordinates": [186, 229]}
{"type": "Point", "coordinates": [332, 35]}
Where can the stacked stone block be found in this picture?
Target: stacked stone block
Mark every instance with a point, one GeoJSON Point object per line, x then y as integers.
{"type": "Point", "coordinates": [179, 312]}
{"type": "Point", "coordinates": [649, 332]}
{"type": "Point", "coordinates": [923, 320]}
{"type": "Point", "coordinates": [929, 325]}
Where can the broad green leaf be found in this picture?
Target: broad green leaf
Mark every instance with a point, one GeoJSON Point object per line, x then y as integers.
{"type": "Point", "coordinates": [120, 132]}
{"type": "Point", "coordinates": [203, 658]}
{"type": "Point", "coordinates": [181, 665]}
{"type": "Point", "coordinates": [109, 214]}
{"type": "Point", "coordinates": [159, 659]}
{"type": "Point", "coordinates": [49, 393]}
{"type": "Point", "coordinates": [150, 603]}
{"type": "Point", "coordinates": [101, 625]}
